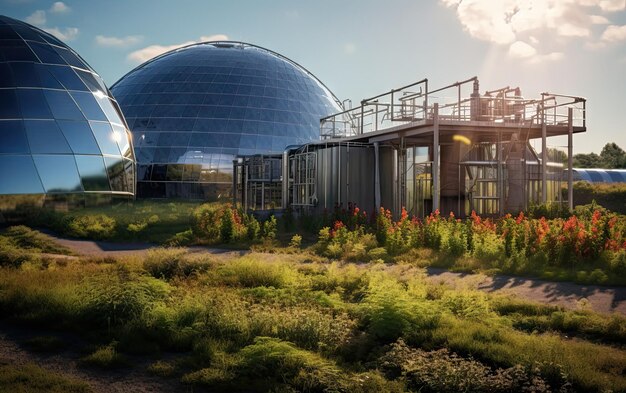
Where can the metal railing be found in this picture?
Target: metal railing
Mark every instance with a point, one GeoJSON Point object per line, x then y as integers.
{"type": "Point", "coordinates": [413, 103]}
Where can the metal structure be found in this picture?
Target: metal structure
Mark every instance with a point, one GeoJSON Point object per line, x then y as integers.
{"type": "Point", "coordinates": [449, 148]}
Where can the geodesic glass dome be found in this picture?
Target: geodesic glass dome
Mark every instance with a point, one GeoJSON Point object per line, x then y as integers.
{"type": "Point", "coordinates": [62, 135]}
{"type": "Point", "coordinates": [194, 109]}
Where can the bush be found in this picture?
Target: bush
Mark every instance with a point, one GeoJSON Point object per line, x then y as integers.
{"type": "Point", "coordinates": [97, 226]}
{"type": "Point", "coordinates": [168, 263]}
{"type": "Point", "coordinates": [34, 379]}
{"type": "Point", "coordinates": [105, 357]}
{"type": "Point", "coordinates": [250, 272]}
{"type": "Point", "coordinates": [270, 228]}
{"type": "Point", "coordinates": [296, 241]}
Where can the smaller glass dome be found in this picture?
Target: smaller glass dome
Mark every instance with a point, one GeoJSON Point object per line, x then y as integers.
{"type": "Point", "coordinates": [62, 135]}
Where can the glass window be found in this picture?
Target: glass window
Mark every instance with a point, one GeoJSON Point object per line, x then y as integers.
{"type": "Point", "coordinates": [18, 175]}
{"type": "Point", "coordinates": [46, 54]}
{"type": "Point", "coordinates": [158, 172]}
{"type": "Point", "coordinates": [46, 79]}
{"type": "Point", "coordinates": [89, 106]}
{"type": "Point", "coordinates": [117, 174]}
{"type": "Point", "coordinates": [91, 81]}
{"type": "Point", "coordinates": [45, 136]}
{"type": "Point", "coordinates": [8, 105]}
{"type": "Point", "coordinates": [62, 105]}
{"type": "Point", "coordinates": [14, 50]}
{"type": "Point", "coordinates": [33, 104]}
{"type": "Point", "coordinates": [6, 77]}
{"type": "Point", "coordinates": [123, 140]}
{"type": "Point", "coordinates": [108, 109]}
{"type": "Point", "coordinates": [58, 173]}
{"type": "Point", "coordinates": [79, 136]}
{"type": "Point", "coordinates": [24, 75]}
{"type": "Point", "coordinates": [67, 77]}
{"type": "Point", "coordinates": [105, 137]}
{"type": "Point", "coordinates": [174, 172]}
{"type": "Point", "coordinates": [93, 173]}
{"type": "Point", "coordinates": [71, 58]}
{"type": "Point", "coordinates": [13, 138]}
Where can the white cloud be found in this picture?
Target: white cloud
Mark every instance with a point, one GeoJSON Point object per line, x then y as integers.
{"type": "Point", "coordinates": [66, 34]}
{"type": "Point", "coordinates": [599, 20]}
{"type": "Point", "coordinates": [37, 18]}
{"type": "Point", "coordinates": [522, 50]}
{"type": "Point", "coordinates": [149, 52]}
{"type": "Point", "coordinates": [614, 33]}
{"type": "Point", "coordinates": [612, 5]}
{"type": "Point", "coordinates": [59, 7]}
{"type": "Point", "coordinates": [118, 42]}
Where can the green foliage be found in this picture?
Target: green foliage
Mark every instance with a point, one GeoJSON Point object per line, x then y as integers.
{"type": "Point", "coordinates": [251, 272]}
{"type": "Point", "coordinates": [30, 378]}
{"type": "Point", "coordinates": [162, 369]}
{"type": "Point", "coordinates": [168, 263]}
{"type": "Point", "coordinates": [296, 241]}
{"type": "Point", "coordinates": [117, 296]}
{"type": "Point", "coordinates": [442, 371]}
{"type": "Point", "coordinates": [105, 357]}
{"type": "Point", "coordinates": [29, 239]}
{"type": "Point", "coordinates": [270, 228]}
{"type": "Point", "coordinates": [97, 226]}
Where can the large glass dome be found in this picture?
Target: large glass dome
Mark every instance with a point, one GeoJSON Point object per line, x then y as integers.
{"type": "Point", "coordinates": [62, 135]}
{"type": "Point", "coordinates": [192, 110]}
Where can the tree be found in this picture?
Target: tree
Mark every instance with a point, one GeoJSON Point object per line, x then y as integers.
{"type": "Point", "coordinates": [591, 160]}
{"type": "Point", "coordinates": [556, 155]}
{"type": "Point", "coordinates": [613, 156]}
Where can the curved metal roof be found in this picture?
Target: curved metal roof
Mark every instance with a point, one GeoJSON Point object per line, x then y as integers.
{"type": "Point", "coordinates": [598, 175]}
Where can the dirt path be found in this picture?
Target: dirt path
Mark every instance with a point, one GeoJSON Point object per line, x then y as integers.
{"type": "Point", "coordinates": [134, 378]}
{"type": "Point", "coordinates": [569, 295]}
{"type": "Point", "coordinates": [566, 294]}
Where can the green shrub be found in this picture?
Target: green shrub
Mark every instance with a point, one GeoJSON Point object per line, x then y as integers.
{"type": "Point", "coordinates": [162, 369]}
{"type": "Point", "coordinates": [283, 363]}
{"type": "Point", "coordinates": [34, 379]}
{"type": "Point", "coordinates": [104, 357]}
{"type": "Point", "coordinates": [25, 238]}
{"type": "Point", "coordinates": [116, 297]}
{"type": "Point", "coordinates": [270, 228]}
{"type": "Point", "coordinates": [296, 241]}
{"type": "Point", "coordinates": [168, 263]}
{"type": "Point", "coordinates": [180, 239]}
{"type": "Point", "coordinates": [96, 226]}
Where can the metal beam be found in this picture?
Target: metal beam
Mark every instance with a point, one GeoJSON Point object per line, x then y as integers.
{"type": "Point", "coordinates": [435, 157]}
{"type": "Point", "coordinates": [570, 159]}
{"type": "Point", "coordinates": [376, 176]}
{"type": "Point", "coordinates": [544, 159]}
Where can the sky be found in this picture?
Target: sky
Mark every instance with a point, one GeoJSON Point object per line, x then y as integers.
{"type": "Point", "coordinates": [360, 48]}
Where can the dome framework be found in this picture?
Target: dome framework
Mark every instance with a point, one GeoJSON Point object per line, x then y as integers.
{"type": "Point", "coordinates": [195, 109]}
{"type": "Point", "coordinates": [63, 137]}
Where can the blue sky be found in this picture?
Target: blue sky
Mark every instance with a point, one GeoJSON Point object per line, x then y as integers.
{"type": "Point", "coordinates": [360, 48]}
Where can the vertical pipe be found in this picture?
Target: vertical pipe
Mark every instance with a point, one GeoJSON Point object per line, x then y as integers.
{"type": "Point", "coordinates": [362, 115]}
{"type": "Point", "coordinates": [376, 176]}
{"type": "Point", "coordinates": [235, 167]}
{"type": "Point", "coordinates": [391, 105]}
{"type": "Point", "coordinates": [544, 157]}
{"type": "Point", "coordinates": [394, 174]}
{"type": "Point", "coordinates": [244, 175]}
{"type": "Point", "coordinates": [500, 189]}
{"type": "Point", "coordinates": [570, 159]}
{"type": "Point", "coordinates": [435, 166]}
{"type": "Point", "coordinates": [339, 175]}
{"type": "Point", "coordinates": [285, 183]}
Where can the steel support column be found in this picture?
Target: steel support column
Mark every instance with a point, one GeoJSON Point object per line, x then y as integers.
{"type": "Point", "coordinates": [544, 161]}
{"type": "Point", "coordinates": [435, 157]}
{"type": "Point", "coordinates": [376, 176]}
{"type": "Point", "coordinates": [570, 159]}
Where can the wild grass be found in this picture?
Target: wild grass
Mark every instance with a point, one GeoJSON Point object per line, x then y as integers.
{"type": "Point", "coordinates": [291, 323]}
{"type": "Point", "coordinates": [30, 378]}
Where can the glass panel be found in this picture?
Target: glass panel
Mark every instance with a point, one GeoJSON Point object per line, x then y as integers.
{"type": "Point", "coordinates": [105, 137]}
{"type": "Point", "coordinates": [33, 104]}
{"type": "Point", "coordinates": [129, 172]}
{"type": "Point", "coordinates": [24, 75]}
{"type": "Point", "coordinates": [67, 77]}
{"type": "Point", "coordinates": [93, 173]}
{"type": "Point", "coordinates": [108, 109]}
{"type": "Point", "coordinates": [92, 82]}
{"type": "Point", "coordinates": [62, 105]}
{"type": "Point", "coordinates": [14, 50]}
{"type": "Point", "coordinates": [87, 102]}
{"type": "Point", "coordinates": [6, 77]}
{"type": "Point", "coordinates": [46, 54]}
{"type": "Point", "coordinates": [46, 79]}
{"type": "Point", "coordinates": [45, 136]}
{"type": "Point", "coordinates": [8, 105]}
{"type": "Point", "coordinates": [7, 33]}
{"type": "Point", "coordinates": [58, 173]}
{"type": "Point", "coordinates": [79, 136]}
{"type": "Point", "coordinates": [174, 172]}
{"type": "Point", "coordinates": [115, 169]}
{"type": "Point", "coordinates": [13, 138]}
{"type": "Point", "coordinates": [19, 176]}
{"type": "Point", "coordinates": [123, 140]}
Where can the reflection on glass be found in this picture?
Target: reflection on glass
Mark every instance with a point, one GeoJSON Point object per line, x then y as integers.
{"type": "Point", "coordinates": [45, 136]}
{"type": "Point", "coordinates": [79, 136]}
{"type": "Point", "coordinates": [18, 175]}
{"type": "Point", "coordinates": [62, 105]}
{"type": "Point", "coordinates": [105, 137]}
{"type": "Point", "coordinates": [33, 104]}
{"type": "Point", "coordinates": [12, 137]}
{"type": "Point", "coordinates": [58, 173]}
{"type": "Point", "coordinates": [93, 173]}
{"type": "Point", "coordinates": [115, 169]}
